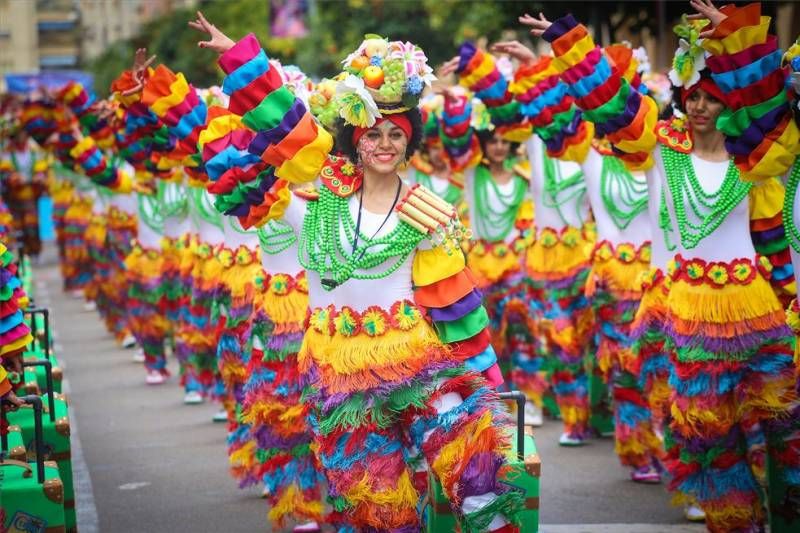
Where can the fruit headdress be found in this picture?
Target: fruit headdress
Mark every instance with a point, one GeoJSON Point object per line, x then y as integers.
{"type": "Point", "coordinates": [381, 77]}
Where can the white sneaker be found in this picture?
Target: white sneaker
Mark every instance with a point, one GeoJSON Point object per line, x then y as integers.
{"type": "Point", "coordinates": [193, 398]}
{"type": "Point", "coordinates": [90, 306]}
{"type": "Point", "coordinates": [129, 341]}
{"type": "Point", "coordinates": [533, 415]}
{"type": "Point", "coordinates": [265, 492]}
{"type": "Point", "coordinates": [567, 440]}
{"type": "Point", "coordinates": [138, 356]}
{"type": "Point", "coordinates": [307, 527]}
{"type": "Point", "coordinates": [694, 513]}
{"type": "Point", "coordinates": [154, 377]}
{"type": "Point", "coordinates": [220, 416]}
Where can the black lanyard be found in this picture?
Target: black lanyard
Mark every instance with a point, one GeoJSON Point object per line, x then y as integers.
{"type": "Point", "coordinates": [385, 220]}
{"type": "Point", "coordinates": [331, 284]}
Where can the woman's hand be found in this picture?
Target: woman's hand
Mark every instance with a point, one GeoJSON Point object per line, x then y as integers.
{"type": "Point", "coordinates": [140, 65]}
{"type": "Point", "coordinates": [706, 10]}
{"type": "Point", "coordinates": [219, 42]}
{"type": "Point", "coordinates": [449, 67]}
{"type": "Point", "coordinates": [515, 49]}
{"type": "Point", "coordinates": [538, 25]}
{"type": "Point", "coordinates": [11, 402]}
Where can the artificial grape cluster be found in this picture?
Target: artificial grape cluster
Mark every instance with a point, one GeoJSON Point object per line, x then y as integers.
{"type": "Point", "coordinates": [394, 79]}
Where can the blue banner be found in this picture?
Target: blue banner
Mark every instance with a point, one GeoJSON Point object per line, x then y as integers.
{"type": "Point", "coordinates": [22, 83]}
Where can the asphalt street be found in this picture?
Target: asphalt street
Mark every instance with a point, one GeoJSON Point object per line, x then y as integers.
{"type": "Point", "coordinates": [146, 463]}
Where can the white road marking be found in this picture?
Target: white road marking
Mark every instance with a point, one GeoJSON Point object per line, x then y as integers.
{"type": "Point", "coordinates": [133, 486]}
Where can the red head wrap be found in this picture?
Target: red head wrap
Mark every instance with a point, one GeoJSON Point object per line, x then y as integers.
{"type": "Point", "coordinates": [708, 85]}
{"type": "Point", "coordinates": [399, 119]}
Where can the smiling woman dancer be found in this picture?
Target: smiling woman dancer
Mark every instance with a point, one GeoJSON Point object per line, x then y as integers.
{"type": "Point", "coordinates": [394, 315]}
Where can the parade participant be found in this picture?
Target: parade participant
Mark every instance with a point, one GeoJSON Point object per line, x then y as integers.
{"type": "Point", "coordinates": [23, 170]}
{"type": "Point", "coordinates": [729, 392]}
{"type": "Point", "coordinates": [121, 232]}
{"type": "Point", "coordinates": [621, 255]}
{"type": "Point", "coordinates": [496, 194]}
{"type": "Point", "coordinates": [557, 261]}
{"type": "Point", "coordinates": [429, 166]}
{"type": "Point", "coordinates": [271, 407]}
{"type": "Point", "coordinates": [375, 370]}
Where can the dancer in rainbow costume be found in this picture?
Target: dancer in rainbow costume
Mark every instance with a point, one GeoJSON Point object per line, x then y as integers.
{"type": "Point", "coordinates": [732, 373]}
{"type": "Point", "coordinates": [375, 370]}
{"type": "Point", "coordinates": [621, 255]}
{"type": "Point", "coordinates": [557, 261]}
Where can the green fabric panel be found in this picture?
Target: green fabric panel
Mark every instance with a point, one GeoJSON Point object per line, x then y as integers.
{"type": "Point", "coordinates": [464, 328]}
{"type": "Point", "coordinates": [270, 111]}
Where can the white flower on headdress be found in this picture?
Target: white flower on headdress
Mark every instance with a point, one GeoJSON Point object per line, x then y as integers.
{"type": "Point", "coordinates": [689, 60]}
{"type": "Point", "coordinates": [640, 55]}
{"type": "Point", "coordinates": [356, 105]}
{"type": "Point", "coordinates": [297, 81]}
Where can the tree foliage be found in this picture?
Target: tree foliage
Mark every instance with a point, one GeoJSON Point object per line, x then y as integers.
{"type": "Point", "coordinates": [336, 27]}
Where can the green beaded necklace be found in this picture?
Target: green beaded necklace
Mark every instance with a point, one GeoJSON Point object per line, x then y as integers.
{"type": "Point", "coordinates": [624, 197]}
{"type": "Point", "coordinates": [275, 237]}
{"type": "Point", "coordinates": [174, 200]}
{"type": "Point", "coordinates": [710, 209]}
{"type": "Point", "coordinates": [149, 212]}
{"type": "Point", "coordinates": [559, 191]}
{"type": "Point", "coordinates": [451, 195]}
{"type": "Point", "coordinates": [788, 207]}
{"type": "Point", "coordinates": [206, 211]}
{"type": "Point", "coordinates": [665, 223]}
{"type": "Point", "coordinates": [322, 249]}
{"type": "Point", "coordinates": [490, 224]}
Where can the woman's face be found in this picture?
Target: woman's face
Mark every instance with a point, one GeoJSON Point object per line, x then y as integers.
{"type": "Point", "coordinates": [497, 149]}
{"type": "Point", "coordinates": [382, 148]}
{"type": "Point", "coordinates": [436, 155]}
{"type": "Point", "coordinates": [702, 110]}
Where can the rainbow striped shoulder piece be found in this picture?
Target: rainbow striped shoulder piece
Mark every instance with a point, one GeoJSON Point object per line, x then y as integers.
{"type": "Point", "coordinates": [760, 131]}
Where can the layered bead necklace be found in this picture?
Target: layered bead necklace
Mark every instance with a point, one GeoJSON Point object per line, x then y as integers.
{"type": "Point", "coordinates": [788, 207]}
{"type": "Point", "coordinates": [275, 237]}
{"type": "Point", "coordinates": [710, 209]}
{"type": "Point", "coordinates": [174, 200]}
{"type": "Point", "coordinates": [624, 196]}
{"type": "Point", "coordinates": [491, 224]}
{"type": "Point", "coordinates": [559, 191]}
{"type": "Point", "coordinates": [149, 212]}
{"type": "Point", "coordinates": [451, 194]}
{"type": "Point", "coordinates": [206, 211]}
{"type": "Point", "coordinates": [322, 250]}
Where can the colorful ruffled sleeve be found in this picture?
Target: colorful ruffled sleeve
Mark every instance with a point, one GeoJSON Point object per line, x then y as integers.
{"type": "Point", "coordinates": [769, 236]}
{"type": "Point", "coordinates": [478, 72]}
{"type": "Point", "coordinates": [455, 130]}
{"type": "Point", "coordinates": [287, 136]}
{"type": "Point", "coordinates": [176, 103]}
{"type": "Point", "coordinates": [142, 133]}
{"type": "Point", "coordinates": [444, 286]}
{"type": "Point", "coordinates": [243, 185]}
{"type": "Point", "coordinates": [96, 167]}
{"type": "Point", "coordinates": [38, 118]}
{"type": "Point", "coordinates": [545, 100]}
{"type": "Point", "coordinates": [80, 100]}
{"type": "Point", "coordinates": [620, 113]}
{"type": "Point", "coordinates": [14, 333]}
{"type": "Point", "coordinates": [760, 131]}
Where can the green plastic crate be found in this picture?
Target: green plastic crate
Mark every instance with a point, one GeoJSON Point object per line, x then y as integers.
{"type": "Point", "coordinates": [32, 493]}
{"type": "Point", "coordinates": [56, 443]}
